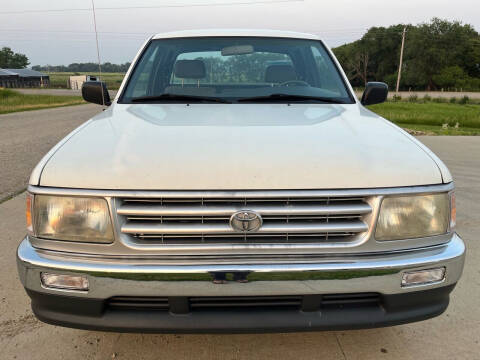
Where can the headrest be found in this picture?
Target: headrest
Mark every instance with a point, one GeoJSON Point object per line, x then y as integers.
{"type": "Point", "coordinates": [190, 69]}
{"type": "Point", "coordinates": [280, 73]}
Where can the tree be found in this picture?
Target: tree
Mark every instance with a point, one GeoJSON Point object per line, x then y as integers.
{"type": "Point", "coordinates": [84, 67]}
{"type": "Point", "coordinates": [373, 57]}
{"type": "Point", "coordinates": [452, 76]}
{"type": "Point", "coordinates": [436, 54]}
{"type": "Point", "coordinates": [244, 68]}
{"type": "Point", "coordinates": [11, 60]}
{"type": "Point", "coordinates": [433, 46]}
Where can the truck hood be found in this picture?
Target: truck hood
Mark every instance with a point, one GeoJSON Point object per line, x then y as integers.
{"type": "Point", "coordinates": [238, 146]}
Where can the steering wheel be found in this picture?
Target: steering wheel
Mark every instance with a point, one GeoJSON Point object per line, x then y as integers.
{"type": "Point", "coordinates": [295, 83]}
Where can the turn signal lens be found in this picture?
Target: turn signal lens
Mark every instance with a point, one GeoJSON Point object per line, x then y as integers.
{"type": "Point", "coordinates": [64, 282]}
{"type": "Point", "coordinates": [423, 277]}
{"type": "Point", "coordinates": [453, 211]}
{"type": "Point", "coordinates": [28, 213]}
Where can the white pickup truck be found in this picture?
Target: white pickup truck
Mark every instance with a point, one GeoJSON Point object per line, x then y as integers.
{"type": "Point", "coordinates": [236, 184]}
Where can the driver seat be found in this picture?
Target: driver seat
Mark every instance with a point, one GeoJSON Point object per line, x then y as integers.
{"type": "Point", "coordinates": [280, 73]}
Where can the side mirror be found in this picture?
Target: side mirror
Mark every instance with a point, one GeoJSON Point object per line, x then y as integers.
{"type": "Point", "coordinates": [375, 93]}
{"type": "Point", "coordinates": [92, 92]}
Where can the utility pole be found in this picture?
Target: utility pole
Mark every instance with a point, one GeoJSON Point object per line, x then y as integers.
{"type": "Point", "coordinates": [401, 59]}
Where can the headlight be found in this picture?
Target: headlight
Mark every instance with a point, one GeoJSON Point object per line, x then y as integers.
{"type": "Point", "coordinates": [72, 219]}
{"type": "Point", "coordinates": [407, 217]}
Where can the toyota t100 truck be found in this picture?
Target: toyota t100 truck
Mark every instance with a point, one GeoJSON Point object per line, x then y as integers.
{"type": "Point", "coordinates": [234, 184]}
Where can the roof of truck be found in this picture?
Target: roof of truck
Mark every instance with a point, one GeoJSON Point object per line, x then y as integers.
{"type": "Point", "coordinates": [235, 32]}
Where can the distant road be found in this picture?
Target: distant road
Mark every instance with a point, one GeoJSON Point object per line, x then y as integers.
{"type": "Point", "coordinates": [26, 136]}
{"type": "Point", "coordinates": [432, 94]}
{"type": "Point", "coordinates": [60, 92]}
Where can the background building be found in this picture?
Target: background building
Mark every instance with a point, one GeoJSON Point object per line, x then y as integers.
{"type": "Point", "coordinates": [8, 79]}
{"type": "Point", "coordinates": [20, 78]}
{"type": "Point", "coordinates": [77, 81]}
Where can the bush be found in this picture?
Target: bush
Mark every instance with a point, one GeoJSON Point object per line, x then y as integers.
{"type": "Point", "coordinates": [453, 100]}
{"type": "Point", "coordinates": [396, 98]}
{"type": "Point", "coordinates": [451, 76]}
{"type": "Point", "coordinates": [413, 98]}
{"type": "Point", "coordinates": [464, 100]}
{"type": "Point", "coordinates": [427, 98]}
{"type": "Point", "coordinates": [439, 100]}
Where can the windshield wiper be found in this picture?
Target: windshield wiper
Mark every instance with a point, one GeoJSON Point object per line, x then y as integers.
{"type": "Point", "coordinates": [179, 97]}
{"type": "Point", "coordinates": [289, 98]}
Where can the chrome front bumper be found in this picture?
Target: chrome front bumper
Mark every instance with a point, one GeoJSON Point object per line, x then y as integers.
{"type": "Point", "coordinates": [108, 277]}
{"type": "Point", "coordinates": [313, 280]}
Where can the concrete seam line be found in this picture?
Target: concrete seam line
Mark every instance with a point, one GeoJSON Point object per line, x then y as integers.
{"type": "Point", "coordinates": [12, 195]}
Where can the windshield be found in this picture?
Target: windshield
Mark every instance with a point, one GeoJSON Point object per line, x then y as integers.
{"type": "Point", "coordinates": [235, 69]}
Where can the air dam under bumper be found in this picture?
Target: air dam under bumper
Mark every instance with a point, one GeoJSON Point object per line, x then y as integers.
{"type": "Point", "coordinates": [330, 293]}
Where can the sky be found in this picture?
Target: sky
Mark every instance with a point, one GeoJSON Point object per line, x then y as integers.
{"type": "Point", "coordinates": [60, 32]}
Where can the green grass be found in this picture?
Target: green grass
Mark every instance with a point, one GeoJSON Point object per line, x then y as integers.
{"type": "Point", "coordinates": [12, 101]}
{"type": "Point", "coordinates": [60, 79]}
{"type": "Point", "coordinates": [431, 117]}
{"type": "Point", "coordinates": [428, 117]}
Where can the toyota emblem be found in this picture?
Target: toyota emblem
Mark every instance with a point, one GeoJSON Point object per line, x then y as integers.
{"type": "Point", "coordinates": [246, 221]}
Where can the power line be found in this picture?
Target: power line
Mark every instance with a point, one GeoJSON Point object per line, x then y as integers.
{"type": "Point", "coordinates": [72, 32]}
{"type": "Point", "coordinates": [153, 7]}
{"type": "Point", "coordinates": [118, 41]}
{"type": "Point", "coordinates": [329, 33]}
{"type": "Point", "coordinates": [346, 30]}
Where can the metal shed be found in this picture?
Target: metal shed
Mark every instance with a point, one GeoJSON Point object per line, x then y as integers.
{"type": "Point", "coordinates": [8, 79]}
{"type": "Point", "coordinates": [29, 78]}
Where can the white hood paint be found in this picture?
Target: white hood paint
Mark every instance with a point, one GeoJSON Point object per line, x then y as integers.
{"type": "Point", "coordinates": [238, 147]}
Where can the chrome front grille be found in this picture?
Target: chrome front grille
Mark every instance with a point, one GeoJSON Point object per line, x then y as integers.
{"type": "Point", "coordinates": [296, 220]}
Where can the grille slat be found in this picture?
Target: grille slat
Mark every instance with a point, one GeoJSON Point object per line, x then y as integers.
{"type": "Point", "coordinates": [158, 210]}
{"type": "Point", "coordinates": [207, 220]}
{"type": "Point", "coordinates": [186, 228]}
{"type": "Point", "coordinates": [130, 302]}
{"type": "Point", "coordinates": [248, 302]}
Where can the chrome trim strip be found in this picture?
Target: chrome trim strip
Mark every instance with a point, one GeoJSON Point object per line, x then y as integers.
{"type": "Point", "coordinates": [127, 248]}
{"type": "Point", "coordinates": [206, 210]}
{"type": "Point", "coordinates": [423, 257]}
{"type": "Point", "coordinates": [293, 228]}
{"type": "Point", "coordinates": [227, 250]}
{"type": "Point", "coordinates": [425, 189]}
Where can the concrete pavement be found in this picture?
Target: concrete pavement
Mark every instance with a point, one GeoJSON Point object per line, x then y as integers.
{"type": "Point", "coordinates": [26, 136]}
